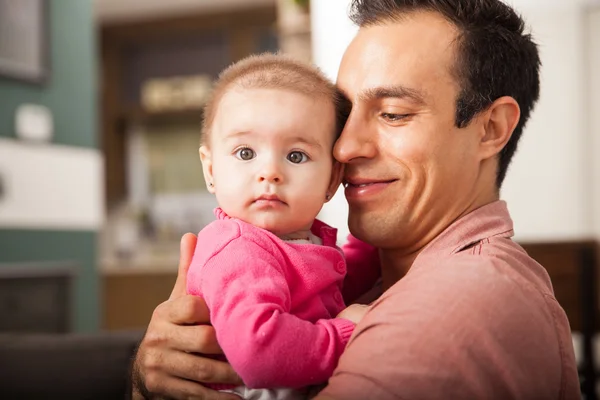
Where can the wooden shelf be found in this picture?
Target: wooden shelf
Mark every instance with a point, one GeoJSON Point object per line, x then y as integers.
{"type": "Point", "coordinates": [144, 117]}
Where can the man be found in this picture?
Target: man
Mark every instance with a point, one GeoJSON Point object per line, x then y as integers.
{"type": "Point", "coordinates": [440, 92]}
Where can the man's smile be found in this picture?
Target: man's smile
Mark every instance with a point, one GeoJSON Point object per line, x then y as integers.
{"type": "Point", "coordinates": [359, 188]}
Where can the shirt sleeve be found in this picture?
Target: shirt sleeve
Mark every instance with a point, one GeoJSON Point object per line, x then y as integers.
{"type": "Point", "coordinates": [245, 288]}
{"type": "Point", "coordinates": [456, 333]}
{"type": "Point", "coordinates": [363, 268]}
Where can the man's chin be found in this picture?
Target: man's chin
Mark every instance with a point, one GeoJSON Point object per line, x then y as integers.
{"type": "Point", "coordinates": [361, 226]}
{"type": "Point", "coordinates": [372, 228]}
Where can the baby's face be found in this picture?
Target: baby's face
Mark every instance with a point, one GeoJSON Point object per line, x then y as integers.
{"type": "Point", "coordinates": [270, 157]}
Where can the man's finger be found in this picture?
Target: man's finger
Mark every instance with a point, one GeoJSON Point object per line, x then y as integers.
{"type": "Point", "coordinates": [185, 310]}
{"type": "Point", "coordinates": [186, 252]}
{"type": "Point", "coordinates": [198, 368]}
{"type": "Point", "coordinates": [197, 339]}
{"type": "Point", "coordinates": [187, 326]}
{"type": "Point", "coordinates": [183, 389]}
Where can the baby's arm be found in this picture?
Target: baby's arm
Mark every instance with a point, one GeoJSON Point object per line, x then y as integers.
{"type": "Point", "coordinates": [363, 268]}
{"type": "Point", "coordinates": [246, 291]}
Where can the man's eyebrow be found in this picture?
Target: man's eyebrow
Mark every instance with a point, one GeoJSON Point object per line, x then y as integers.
{"type": "Point", "coordinates": [400, 92]}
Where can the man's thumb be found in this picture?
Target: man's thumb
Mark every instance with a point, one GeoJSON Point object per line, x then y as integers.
{"type": "Point", "coordinates": [186, 252]}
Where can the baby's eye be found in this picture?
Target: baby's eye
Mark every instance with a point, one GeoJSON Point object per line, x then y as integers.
{"type": "Point", "coordinates": [297, 157]}
{"type": "Point", "coordinates": [245, 154]}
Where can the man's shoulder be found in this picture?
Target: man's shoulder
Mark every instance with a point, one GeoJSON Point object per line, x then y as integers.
{"type": "Point", "coordinates": [470, 298]}
{"type": "Point", "coordinates": [475, 316]}
{"type": "Point", "coordinates": [492, 268]}
{"type": "Point", "coordinates": [475, 285]}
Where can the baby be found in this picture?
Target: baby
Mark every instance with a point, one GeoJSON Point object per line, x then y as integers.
{"type": "Point", "coordinates": [269, 271]}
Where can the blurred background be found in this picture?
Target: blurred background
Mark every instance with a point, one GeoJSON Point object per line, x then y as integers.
{"type": "Point", "coordinates": [100, 112]}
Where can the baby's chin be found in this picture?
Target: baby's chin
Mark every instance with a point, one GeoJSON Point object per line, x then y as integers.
{"type": "Point", "coordinates": [274, 227]}
{"type": "Point", "coordinates": [277, 226]}
{"type": "Point", "coordinates": [278, 222]}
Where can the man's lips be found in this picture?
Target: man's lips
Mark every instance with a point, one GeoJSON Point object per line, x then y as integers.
{"type": "Point", "coordinates": [363, 188]}
{"type": "Point", "coordinates": [363, 182]}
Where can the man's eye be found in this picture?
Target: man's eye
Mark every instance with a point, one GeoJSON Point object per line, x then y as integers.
{"type": "Point", "coordinates": [245, 154]}
{"type": "Point", "coordinates": [297, 157]}
{"type": "Point", "coordinates": [393, 117]}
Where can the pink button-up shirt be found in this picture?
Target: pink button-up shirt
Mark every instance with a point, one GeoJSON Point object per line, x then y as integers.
{"type": "Point", "coordinates": [474, 318]}
{"type": "Point", "coordinates": [273, 303]}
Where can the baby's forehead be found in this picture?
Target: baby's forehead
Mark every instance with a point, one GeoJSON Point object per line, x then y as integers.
{"type": "Point", "coordinates": [244, 89]}
{"type": "Point", "coordinates": [276, 115]}
{"type": "Point", "coordinates": [275, 99]}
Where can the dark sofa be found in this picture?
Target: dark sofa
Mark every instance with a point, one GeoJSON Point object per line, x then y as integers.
{"type": "Point", "coordinates": [66, 366]}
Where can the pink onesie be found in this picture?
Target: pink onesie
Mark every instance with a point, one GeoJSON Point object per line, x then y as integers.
{"type": "Point", "coordinates": [273, 303]}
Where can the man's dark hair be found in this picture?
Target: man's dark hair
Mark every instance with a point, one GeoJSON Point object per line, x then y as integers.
{"type": "Point", "coordinates": [496, 57]}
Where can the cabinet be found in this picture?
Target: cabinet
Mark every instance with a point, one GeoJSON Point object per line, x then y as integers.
{"type": "Point", "coordinates": [36, 298]}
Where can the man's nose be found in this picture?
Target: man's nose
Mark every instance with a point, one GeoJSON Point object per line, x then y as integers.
{"type": "Point", "coordinates": [270, 172]}
{"type": "Point", "coordinates": [358, 139]}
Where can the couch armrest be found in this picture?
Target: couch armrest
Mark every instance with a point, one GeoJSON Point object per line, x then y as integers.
{"type": "Point", "coordinates": [69, 366]}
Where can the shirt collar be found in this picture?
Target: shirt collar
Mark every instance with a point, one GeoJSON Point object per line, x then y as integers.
{"type": "Point", "coordinates": [485, 222]}
{"type": "Point", "coordinates": [327, 233]}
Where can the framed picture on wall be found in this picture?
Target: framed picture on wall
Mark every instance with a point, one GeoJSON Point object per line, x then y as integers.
{"type": "Point", "coordinates": [24, 40]}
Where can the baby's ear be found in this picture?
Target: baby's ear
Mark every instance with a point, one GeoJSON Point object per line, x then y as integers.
{"type": "Point", "coordinates": [207, 168]}
{"type": "Point", "coordinates": [337, 174]}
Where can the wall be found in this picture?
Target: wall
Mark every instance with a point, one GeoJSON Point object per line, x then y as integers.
{"type": "Point", "coordinates": [593, 92]}
{"type": "Point", "coordinates": [332, 31]}
{"type": "Point", "coordinates": [549, 186]}
{"type": "Point", "coordinates": [53, 205]}
{"type": "Point", "coordinates": [132, 10]}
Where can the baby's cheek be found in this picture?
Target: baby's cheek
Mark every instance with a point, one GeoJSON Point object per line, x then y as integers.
{"type": "Point", "coordinates": [312, 203]}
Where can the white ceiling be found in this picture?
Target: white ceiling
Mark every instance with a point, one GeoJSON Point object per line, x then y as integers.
{"type": "Point", "coordinates": [121, 10]}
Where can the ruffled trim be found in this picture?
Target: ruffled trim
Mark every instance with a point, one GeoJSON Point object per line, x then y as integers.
{"type": "Point", "coordinates": [220, 214]}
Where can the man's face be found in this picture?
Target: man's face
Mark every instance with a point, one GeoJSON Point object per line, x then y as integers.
{"type": "Point", "coordinates": [410, 171]}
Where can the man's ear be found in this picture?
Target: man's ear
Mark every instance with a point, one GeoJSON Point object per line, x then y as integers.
{"type": "Point", "coordinates": [207, 168]}
{"type": "Point", "coordinates": [501, 118]}
{"type": "Point", "coordinates": [337, 174]}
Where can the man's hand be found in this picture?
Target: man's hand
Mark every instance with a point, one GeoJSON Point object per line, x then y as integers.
{"type": "Point", "coordinates": [169, 361]}
{"type": "Point", "coordinates": [354, 312]}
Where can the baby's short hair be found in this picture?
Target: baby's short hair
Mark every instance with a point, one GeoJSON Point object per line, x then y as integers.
{"type": "Point", "coordinates": [274, 71]}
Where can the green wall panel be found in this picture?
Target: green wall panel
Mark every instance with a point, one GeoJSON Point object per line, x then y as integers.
{"type": "Point", "coordinates": [71, 94]}
{"type": "Point", "coordinates": [70, 91]}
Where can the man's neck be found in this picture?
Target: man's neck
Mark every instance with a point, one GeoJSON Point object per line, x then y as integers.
{"type": "Point", "coordinates": [395, 263]}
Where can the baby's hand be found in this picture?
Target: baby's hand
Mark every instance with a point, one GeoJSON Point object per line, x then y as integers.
{"type": "Point", "coordinates": [354, 312]}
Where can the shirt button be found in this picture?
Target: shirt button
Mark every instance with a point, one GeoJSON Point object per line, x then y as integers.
{"type": "Point", "coordinates": [340, 267]}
